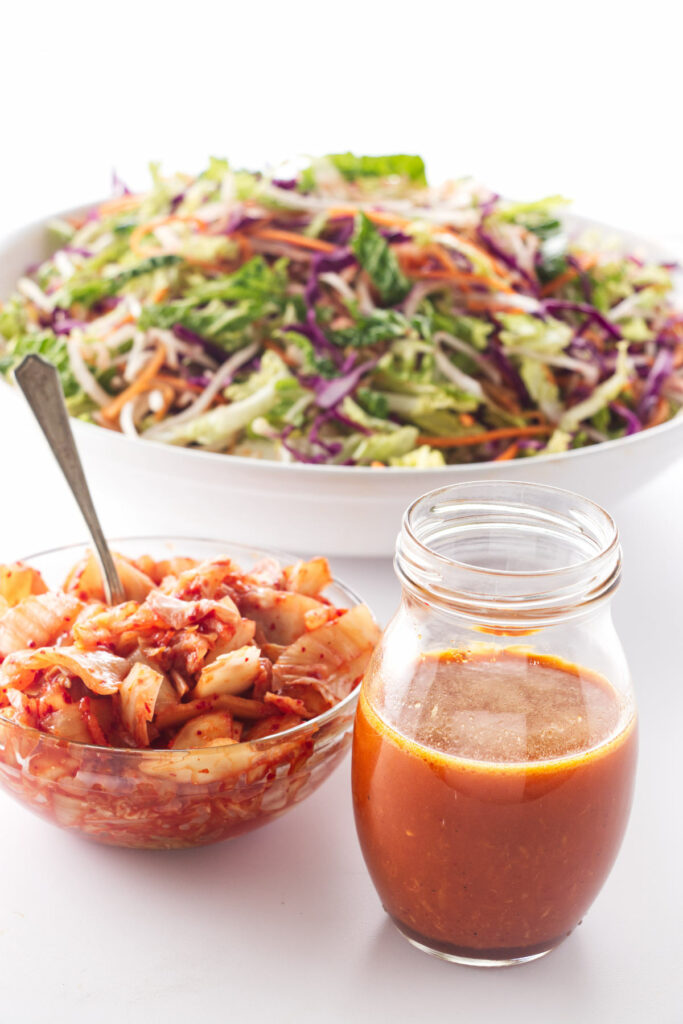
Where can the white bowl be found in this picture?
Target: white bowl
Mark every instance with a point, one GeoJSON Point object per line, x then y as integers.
{"type": "Point", "coordinates": [335, 510]}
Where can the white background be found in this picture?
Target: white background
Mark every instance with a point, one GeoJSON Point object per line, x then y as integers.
{"type": "Point", "coordinates": [535, 99]}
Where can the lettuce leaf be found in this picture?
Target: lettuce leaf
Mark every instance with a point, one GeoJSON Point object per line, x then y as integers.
{"type": "Point", "coordinates": [383, 447]}
{"type": "Point", "coordinates": [271, 368]}
{"type": "Point", "coordinates": [254, 280]}
{"type": "Point", "coordinates": [529, 334]}
{"type": "Point", "coordinates": [225, 325]}
{"type": "Point", "coordinates": [13, 318]}
{"type": "Point", "coordinates": [224, 309]}
{"type": "Point", "coordinates": [473, 330]}
{"type": "Point", "coordinates": [404, 377]}
{"type": "Point", "coordinates": [217, 428]}
{"type": "Point", "coordinates": [636, 329]}
{"type": "Point", "coordinates": [53, 348]}
{"type": "Point", "coordinates": [539, 383]}
{"type": "Point", "coordinates": [559, 441]}
{"type": "Point", "coordinates": [378, 326]}
{"type": "Point", "coordinates": [423, 457]}
{"type": "Point", "coordinates": [373, 402]}
{"type": "Point", "coordinates": [87, 290]}
{"type": "Point", "coordinates": [434, 410]}
{"type": "Point", "coordinates": [402, 165]}
{"type": "Point", "coordinates": [408, 363]}
{"type": "Point", "coordinates": [293, 400]}
{"type": "Point", "coordinates": [550, 266]}
{"type": "Point", "coordinates": [60, 232]}
{"type": "Point", "coordinates": [609, 284]}
{"type": "Point", "coordinates": [217, 169]}
{"type": "Point", "coordinates": [354, 412]}
{"type": "Point", "coordinates": [312, 364]}
{"type": "Point", "coordinates": [374, 255]}
{"type": "Point", "coordinates": [538, 216]}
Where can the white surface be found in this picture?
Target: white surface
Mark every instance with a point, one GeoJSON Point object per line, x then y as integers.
{"type": "Point", "coordinates": [581, 100]}
{"type": "Point", "coordinates": [283, 925]}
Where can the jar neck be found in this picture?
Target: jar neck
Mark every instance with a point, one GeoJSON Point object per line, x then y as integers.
{"type": "Point", "coordinates": [510, 555]}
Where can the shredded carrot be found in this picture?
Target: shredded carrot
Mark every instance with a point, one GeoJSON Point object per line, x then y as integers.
{"type": "Point", "coordinates": [508, 454]}
{"type": "Point", "coordinates": [378, 465]}
{"type": "Point", "coordinates": [502, 396]}
{"type": "Point", "coordinates": [216, 267]}
{"type": "Point", "coordinates": [412, 262]}
{"type": "Point", "coordinates": [386, 220]}
{"type": "Point", "coordinates": [585, 263]}
{"type": "Point", "coordinates": [440, 254]}
{"type": "Point", "coordinates": [291, 237]}
{"type": "Point", "coordinates": [113, 410]}
{"type": "Point", "coordinates": [159, 294]}
{"type": "Point", "coordinates": [118, 205]}
{"type": "Point", "coordinates": [389, 220]}
{"type": "Point", "coordinates": [533, 414]}
{"type": "Point", "coordinates": [145, 229]}
{"type": "Point", "coordinates": [488, 435]}
{"type": "Point", "coordinates": [466, 419]}
{"type": "Point", "coordinates": [168, 394]}
{"type": "Point", "coordinates": [476, 305]}
{"type": "Point", "coordinates": [182, 386]}
{"type": "Point", "coordinates": [279, 352]}
{"type": "Point", "coordinates": [464, 278]}
{"type": "Point", "coordinates": [560, 281]}
{"type": "Point", "coordinates": [246, 249]}
{"type": "Point", "coordinates": [660, 413]}
{"type": "Point", "coordinates": [177, 382]}
{"type": "Point", "coordinates": [496, 267]}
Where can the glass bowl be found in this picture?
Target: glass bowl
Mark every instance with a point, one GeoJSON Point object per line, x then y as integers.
{"type": "Point", "coordinates": [171, 799]}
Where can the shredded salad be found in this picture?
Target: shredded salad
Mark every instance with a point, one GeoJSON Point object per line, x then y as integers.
{"type": "Point", "coordinates": [339, 310]}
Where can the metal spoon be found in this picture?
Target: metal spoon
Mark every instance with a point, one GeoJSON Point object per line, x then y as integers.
{"type": "Point", "coordinates": [40, 383]}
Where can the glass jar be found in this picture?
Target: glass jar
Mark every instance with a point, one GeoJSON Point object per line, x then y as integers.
{"type": "Point", "coordinates": [495, 740]}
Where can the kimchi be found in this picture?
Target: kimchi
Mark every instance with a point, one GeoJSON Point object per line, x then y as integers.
{"type": "Point", "coordinates": [199, 707]}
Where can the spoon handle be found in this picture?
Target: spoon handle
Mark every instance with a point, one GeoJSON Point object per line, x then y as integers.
{"type": "Point", "coordinates": [40, 384]}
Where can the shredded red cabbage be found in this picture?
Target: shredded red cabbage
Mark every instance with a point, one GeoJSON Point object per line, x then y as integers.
{"type": "Point", "coordinates": [507, 258]}
{"type": "Point", "coordinates": [508, 371]}
{"type": "Point", "coordinates": [62, 323]}
{"type": "Point", "coordinates": [312, 330]}
{"type": "Point", "coordinates": [346, 421]}
{"type": "Point", "coordinates": [118, 186]}
{"type": "Point", "coordinates": [314, 437]}
{"type": "Point", "coordinates": [583, 278]}
{"type": "Point", "coordinates": [661, 368]}
{"type": "Point", "coordinates": [299, 455]}
{"type": "Point", "coordinates": [325, 264]}
{"type": "Point", "coordinates": [211, 349]}
{"type": "Point", "coordinates": [329, 393]}
{"type": "Point", "coordinates": [557, 305]}
{"type": "Point", "coordinates": [633, 424]}
{"type": "Point", "coordinates": [238, 220]}
{"type": "Point", "coordinates": [78, 251]}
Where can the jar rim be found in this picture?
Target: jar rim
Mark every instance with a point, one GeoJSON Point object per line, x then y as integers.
{"type": "Point", "coordinates": [575, 532]}
{"type": "Point", "coordinates": [486, 484]}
